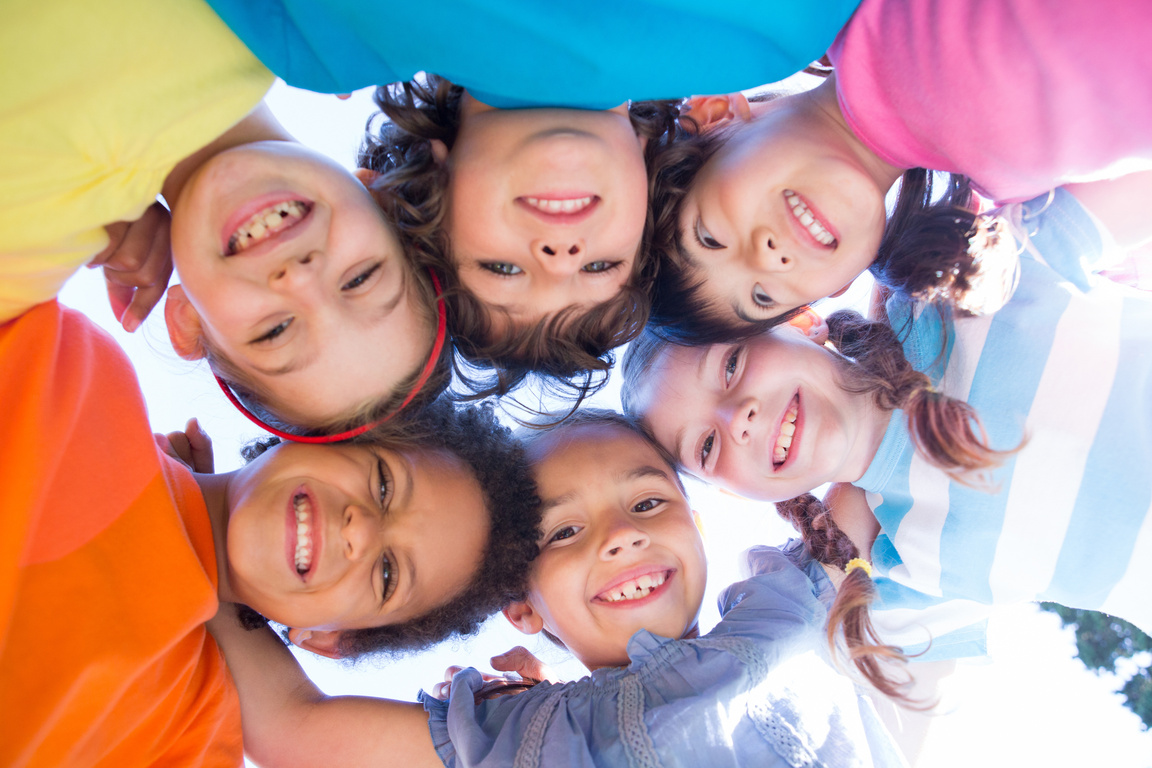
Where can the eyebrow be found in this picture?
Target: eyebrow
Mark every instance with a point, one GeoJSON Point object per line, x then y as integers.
{"type": "Point", "coordinates": [647, 470]}
{"type": "Point", "coordinates": [300, 361]}
{"type": "Point", "coordinates": [556, 501]}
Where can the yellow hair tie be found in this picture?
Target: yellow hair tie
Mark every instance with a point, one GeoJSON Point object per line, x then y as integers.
{"type": "Point", "coordinates": [858, 562]}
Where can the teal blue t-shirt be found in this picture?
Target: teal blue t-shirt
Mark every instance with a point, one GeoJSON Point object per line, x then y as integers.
{"type": "Point", "coordinates": [596, 54]}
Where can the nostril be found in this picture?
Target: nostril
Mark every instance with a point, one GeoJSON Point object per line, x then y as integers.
{"type": "Point", "coordinates": [548, 250]}
{"type": "Point", "coordinates": [574, 250]}
{"type": "Point", "coordinates": [771, 244]}
{"type": "Point", "coordinates": [280, 274]}
{"type": "Point", "coordinates": [307, 259]}
{"type": "Point", "coordinates": [783, 259]}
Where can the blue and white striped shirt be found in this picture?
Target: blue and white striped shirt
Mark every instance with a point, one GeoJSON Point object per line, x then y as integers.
{"type": "Point", "coordinates": [1067, 363]}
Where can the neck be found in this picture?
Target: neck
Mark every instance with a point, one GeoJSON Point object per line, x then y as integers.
{"type": "Point", "coordinates": [259, 125]}
{"type": "Point", "coordinates": [214, 488]}
{"type": "Point", "coordinates": [825, 101]}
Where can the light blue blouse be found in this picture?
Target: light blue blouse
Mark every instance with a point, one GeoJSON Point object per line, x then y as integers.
{"type": "Point", "coordinates": [727, 698]}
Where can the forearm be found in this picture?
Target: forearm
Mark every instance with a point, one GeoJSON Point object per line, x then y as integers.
{"type": "Point", "coordinates": [287, 720]}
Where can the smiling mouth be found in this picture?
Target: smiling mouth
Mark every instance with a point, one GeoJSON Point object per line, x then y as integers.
{"type": "Point", "coordinates": [634, 589]}
{"type": "Point", "coordinates": [304, 545]}
{"type": "Point", "coordinates": [807, 219]}
{"type": "Point", "coordinates": [561, 209]}
{"type": "Point", "coordinates": [265, 224]}
{"type": "Point", "coordinates": [787, 430]}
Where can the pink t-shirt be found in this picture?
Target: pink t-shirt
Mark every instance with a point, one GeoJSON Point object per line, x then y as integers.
{"type": "Point", "coordinates": [1020, 95]}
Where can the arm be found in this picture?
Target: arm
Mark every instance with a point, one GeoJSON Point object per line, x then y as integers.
{"type": "Point", "coordinates": [1121, 204]}
{"type": "Point", "coordinates": [288, 721]}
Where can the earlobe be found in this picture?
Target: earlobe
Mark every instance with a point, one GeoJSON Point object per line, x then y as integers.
{"type": "Point", "coordinates": [713, 111]}
{"type": "Point", "coordinates": [812, 324]}
{"type": "Point", "coordinates": [321, 642]}
{"type": "Point", "coordinates": [439, 151]}
{"type": "Point", "coordinates": [184, 327]}
{"type": "Point", "coordinates": [524, 618]}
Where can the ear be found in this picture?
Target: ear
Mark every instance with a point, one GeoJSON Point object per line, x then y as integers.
{"type": "Point", "coordinates": [320, 642]}
{"type": "Point", "coordinates": [184, 327]}
{"type": "Point", "coordinates": [712, 111]}
{"type": "Point", "coordinates": [524, 618]}
{"type": "Point", "coordinates": [812, 324]}
{"type": "Point", "coordinates": [366, 176]}
{"type": "Point", "coordinates": [439, 151]}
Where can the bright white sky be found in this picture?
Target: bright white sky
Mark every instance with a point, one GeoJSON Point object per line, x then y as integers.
{"type": "Point", "coordinates": [1034, 704]}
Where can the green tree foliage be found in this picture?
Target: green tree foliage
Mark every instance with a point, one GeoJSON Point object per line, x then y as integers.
{"type": "Point", "coordinates": [1100, 641]}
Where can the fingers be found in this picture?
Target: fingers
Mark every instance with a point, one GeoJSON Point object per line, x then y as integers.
{"type": "Point", "coordinates": [200, 446]}
{"type": "Point", "coordinates": [521, 661]}
{"type": "Point", "coordinates": [137, 265]}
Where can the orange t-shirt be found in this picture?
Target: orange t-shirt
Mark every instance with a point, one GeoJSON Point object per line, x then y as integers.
{"type": "Point", "coordinates": [107, 568]}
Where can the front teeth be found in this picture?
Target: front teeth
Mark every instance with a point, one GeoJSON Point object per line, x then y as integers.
{"type": "Point", "coordinates": [303, 533]}
{"type": "Point", "coordinates": [573, 205]}
{"type": "Point", "coordinates": [635, 589]}
{"type": "Point", "coordinates": [804, 215]}
{"type": "Point", "coordinates": [265, 223]}
{"type": "Point", "coordinates": [787, 429]}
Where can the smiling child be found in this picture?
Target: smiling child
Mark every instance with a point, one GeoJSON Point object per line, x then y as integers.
{"type": "Point", "coordinates": [114, 556]}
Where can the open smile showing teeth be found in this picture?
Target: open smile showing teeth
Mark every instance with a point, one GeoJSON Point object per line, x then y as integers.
{"type": "Point", "coordinates": [266, 223]}
{"type": "Point", "coordinates": [634, 589]}
{"type": "Point", "coordinates": [807, 219]}
{"type": "Point", "coordinates": [569, 205]}
{"type": "Point", "coordinates": [787, 430]}
{"type": "Point", "coordinates": [303, 510]}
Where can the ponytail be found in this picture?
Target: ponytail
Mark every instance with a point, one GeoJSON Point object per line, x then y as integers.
{"type": "Point", "coordinates": [827, 544]}
{"type": "Point", "coordinates": [947, 432]}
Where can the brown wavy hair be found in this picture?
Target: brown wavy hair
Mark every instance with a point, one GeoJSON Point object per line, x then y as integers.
{"type": "Point", "coordinates": [571, 350]}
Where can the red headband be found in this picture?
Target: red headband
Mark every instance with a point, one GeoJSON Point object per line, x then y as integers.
{"type": "Point", "coordinates": [421, 380]}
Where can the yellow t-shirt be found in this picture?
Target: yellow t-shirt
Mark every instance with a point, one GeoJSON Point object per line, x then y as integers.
{"type": "Point", "coordinates": [98, 102]}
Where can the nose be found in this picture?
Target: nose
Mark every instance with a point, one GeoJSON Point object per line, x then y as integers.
{"type": "Point", "coordinates": [741, 421]}
{"type": "Point", "coordinates": [359, 533]}
{"type": "Point", "coordinates": [295, 272]}
{"type": "Point", "coordinates": [560, 256]}
{"type": "Point", "coordinates": [766, 252]}
{"type": "Point", "coordinates": [622, 538]}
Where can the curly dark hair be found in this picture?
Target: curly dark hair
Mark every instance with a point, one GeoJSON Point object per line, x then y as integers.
{"type": "Point", "coordinates": [570, 350]}
{"type": "Point", "coordinates": [496, 459]}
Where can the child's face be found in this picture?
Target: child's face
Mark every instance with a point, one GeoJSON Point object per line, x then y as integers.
{"type": "Point", "coordinates": [766, 418]}
{"type": "Point", "coordinates": [319, 308]}
{"type": "Point", "coordinates": [782, 215]}
{"type": "Point", "coordinates": [614, 520]}
{"type": "Point", "coordinates": [348, 537]}
{"type": "Point", "coordinates": [546, 207]}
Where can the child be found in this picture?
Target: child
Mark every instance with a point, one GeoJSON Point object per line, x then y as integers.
{"type": "Point", "coordinates": [619, 582]}
{"type": "Point", "coordinates": [997, 499]}
{"type": "Point", "coordinates": [114, 556]}
{"type": "Point", "coordinates": [291, 270]}
{"type": "Point", "coordinates": [1020, 96]}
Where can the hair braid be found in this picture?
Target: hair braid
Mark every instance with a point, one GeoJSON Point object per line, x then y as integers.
{"type": "Point", "coordinates": [849, 613]}
{"type": "Point", "coordinates": [946, 431]}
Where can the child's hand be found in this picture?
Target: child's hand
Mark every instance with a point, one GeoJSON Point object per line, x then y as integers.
{"type": "Point", "coordinates": [137, 264]}
{"type": "Point", "coordinates": [192, 447]}
{"type": "Point", "coordinates": [519, 665]}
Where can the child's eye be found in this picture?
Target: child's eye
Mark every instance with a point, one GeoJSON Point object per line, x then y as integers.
{"type": "Point", "coordinates": [502, 268]}
{"type": "Point", "coordinates": [704, 237]}
{"type": "Point", "coordinates": [566, 532]}
{"type": "Point", "coordinates": [276, 331]}
{"type": "Point", "coordinates": [730, 365]}
{"type": "Point", "coordinates": [361, 278]}
{"type": "Point", "coordinates": [387, 583]}
{"type": "Point", "coordinates": [600, 266]}
{"type": "Point", "coordinates": [647, 505]}
{"type": "Point", "coordinates": [385, 481]}
{"type": "Point", "coordinates": [706, 449]}
{"type": "Point", "coordinates": [761, 297]}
